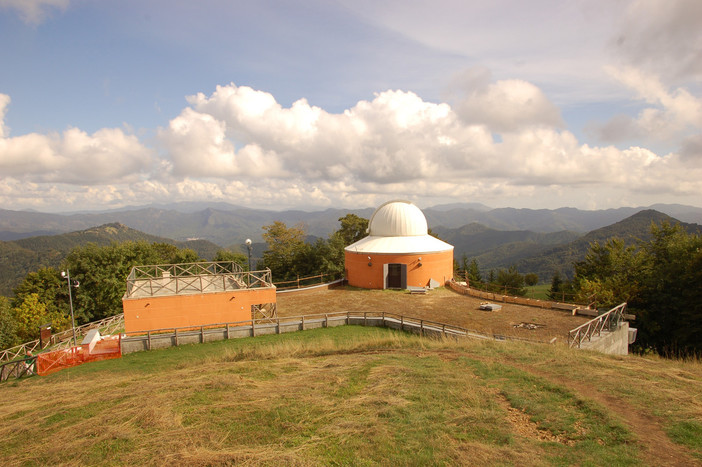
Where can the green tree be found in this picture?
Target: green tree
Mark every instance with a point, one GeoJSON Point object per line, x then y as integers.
{"type": "Point", "coordinates": [511, 281]}
{"type": "Point", "coordinates": [659, 279]}
{"type": "Point", "coordinates": [555, 292]}
{"type": "Point", "coordinates": [473, 272]}
{"type": "Point", "coordinates": [531, 279]}
{"type": "Point", "coordinates": [330, 253]}
{"type": "Point", "coordinates": [609, 274]}
{"type": "Point", "coordinates": [48, 284]}
{"type": "Point", "coordinates": [31, 314]}
{"type": "Point", "coordinates": [353, 228]}
{"type": "Point", "coordinates": [669, 302]}
{"type": "Point", "coordinates": [8, 325]}
{"type": "Point", "coordinates": [238, 258]}
{"type": "Point", "coordinates": [286, 247]}
{"type": "Point", "coordinates": [491, 277]}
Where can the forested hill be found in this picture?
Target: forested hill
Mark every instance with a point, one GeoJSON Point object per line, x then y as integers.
{"type": "Point", "coordinates": [20, 257]}
{"type": "Point", "coordinates": [561, 258]}
{"type": "Point", "coordinates": [496, 249]}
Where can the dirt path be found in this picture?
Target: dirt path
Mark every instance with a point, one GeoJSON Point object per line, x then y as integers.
{"type": "Point", "coordinates": [659, 450]}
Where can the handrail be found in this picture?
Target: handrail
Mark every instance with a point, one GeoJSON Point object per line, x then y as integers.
{"type": "Point", "coordinates": [423, 324]}
{"type": "Point", "coordinates": [175, 282]}
{"type": "Point", "coordinates": [297, 282]}
{"type": "Point", "coordinates": [607, 321]}
{"type": "Point", "coordinates": [18, 368]}
{"type": "Point", "coordinates": [63, 339]}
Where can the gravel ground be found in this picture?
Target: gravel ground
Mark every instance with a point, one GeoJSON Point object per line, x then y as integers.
{"type": "Point", "coordinates": [442, 305]}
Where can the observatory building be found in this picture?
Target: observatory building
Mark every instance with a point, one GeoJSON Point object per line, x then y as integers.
{"type": "Point", "coordinates": [398, 252]}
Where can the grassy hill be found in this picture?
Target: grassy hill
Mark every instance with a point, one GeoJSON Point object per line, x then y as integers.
{"type": "Point", "coordinates": [20, 257]}
{"type": "Point", "coordinates": [358, 396]}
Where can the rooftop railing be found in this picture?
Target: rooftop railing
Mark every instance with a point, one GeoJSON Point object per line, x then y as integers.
{"type": "Point", "coordinates": [609, 321]}
{"type": "Point", "coordinates": [190, 278]}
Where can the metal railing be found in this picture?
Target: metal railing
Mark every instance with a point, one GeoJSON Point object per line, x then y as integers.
{"type": "Point", "coordinates": [190, 278]}
{"type": "Point", "coordinates": [210, 268]}
{"type": "Point", "coordinates": [309, 281]}
{"type": "Point", "coordinates": [254, 327]}
{"type": "Point", "coordinates": [18, 368]}
{"type": "Point", "coordinates": [609, 321]}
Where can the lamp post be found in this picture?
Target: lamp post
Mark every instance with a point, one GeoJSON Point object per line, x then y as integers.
{"type": "Point", "coordinates": [248, 246]}
{"type": "Point", "coordinates": [67, 275]}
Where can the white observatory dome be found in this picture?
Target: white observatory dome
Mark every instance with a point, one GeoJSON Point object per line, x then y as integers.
{"type": "Point", "coordinates": [398, 227]}
{"type": "Point", "coordinates": [397, 219]}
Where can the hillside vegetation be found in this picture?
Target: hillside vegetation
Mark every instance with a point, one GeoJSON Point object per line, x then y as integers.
{"type": "Point", "coordinates": [20, 257]}
{"type": "Point", "coordinates": [562, 257]}
{"type": "Point", "coordinates": [361, 396]}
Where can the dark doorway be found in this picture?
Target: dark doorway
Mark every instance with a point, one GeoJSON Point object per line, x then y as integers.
{"type": "Point", "coordinates": [396, 276]}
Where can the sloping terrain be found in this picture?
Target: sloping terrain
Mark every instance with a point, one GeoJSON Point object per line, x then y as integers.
{"type": "Point", "coordinates": [358, 396]}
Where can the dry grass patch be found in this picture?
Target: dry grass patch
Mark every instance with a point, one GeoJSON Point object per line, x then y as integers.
{"type": "Point", "coordinates": [442, 305]}
{"type": "Point", "coordinates": [344, 395]}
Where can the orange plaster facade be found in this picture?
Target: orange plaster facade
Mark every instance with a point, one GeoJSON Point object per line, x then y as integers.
{"type": "Point", "coordinates": [437, 266]}
{"type": "Point", "coordinates": [179, 311]}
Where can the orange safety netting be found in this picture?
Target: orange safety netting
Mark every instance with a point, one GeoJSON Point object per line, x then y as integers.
{"type": "Point", "coordinates": [50, 362]}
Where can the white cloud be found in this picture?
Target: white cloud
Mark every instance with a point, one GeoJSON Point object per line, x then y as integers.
{"type": "Point", "coordinates": [34, 11]}
{"type": "Point", "coordinates": [669, 114]}
{"type": "Point", "coordinates": [503, 106]}
{"type": "Point", "coordinates": [398, 143]}
{"type": "Point", "coordinates": [240, 145]}
{"type": "Point", "coordinates": [108, 155]}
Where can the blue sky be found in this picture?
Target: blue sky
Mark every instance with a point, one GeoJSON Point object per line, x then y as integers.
{"type": "Point", "coordinates": [289, 104]}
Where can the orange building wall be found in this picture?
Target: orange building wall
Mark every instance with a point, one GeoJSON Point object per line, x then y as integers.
{"type": "Point", "coordinates": [437, 266]}
{"type": "Point", "coordinates": [178, 311]}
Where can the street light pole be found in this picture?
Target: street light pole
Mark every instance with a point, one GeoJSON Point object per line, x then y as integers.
{"type": "Point", "coordinates": [67, 275]}
{"type": "Point", "coordinates": [248, 245]}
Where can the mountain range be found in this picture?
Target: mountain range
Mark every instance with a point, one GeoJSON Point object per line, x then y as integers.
{"type": "Point", "coordinates": [547, 253]}
{"type": "Point", "coordinates": [497, 240]}
{"type": "Point", "coordinates": [228, 225]}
